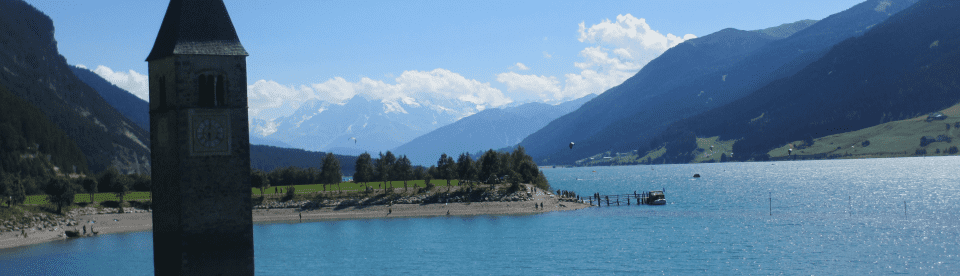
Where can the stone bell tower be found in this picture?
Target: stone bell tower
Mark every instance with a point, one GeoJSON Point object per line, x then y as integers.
{"type": "Point", "coordinates": [199, 143]}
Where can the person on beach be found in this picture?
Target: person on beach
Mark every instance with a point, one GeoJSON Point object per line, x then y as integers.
{"type": "Point", "coordinates": [301, 217]}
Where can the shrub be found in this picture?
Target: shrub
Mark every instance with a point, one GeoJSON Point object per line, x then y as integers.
{"type": "Point", "coordinates": [865, 143]}
{"type": "Point", "coordinates": [921, 152]}
{"type": "Point", "coordinates": [952, 150]}
{"type": "Point", "coordinates": [291, 191]}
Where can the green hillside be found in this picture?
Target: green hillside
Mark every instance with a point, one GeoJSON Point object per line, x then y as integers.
{"type": "Point", "coordinates": [29, 142]}
{"type": "Point", "coordinates": [892, 139]}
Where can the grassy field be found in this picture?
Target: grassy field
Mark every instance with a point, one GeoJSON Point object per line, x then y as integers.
{"type": "Point", "coordinates": [85, 198]}
{"type": "Point", "coordinates": [719, 148]}
{"type": "Point", "coordinates": [619, 158]}
{"type": "Point", "coordinates": [300, 189]}
{"type": "Point", "coordinates": [891, 139]}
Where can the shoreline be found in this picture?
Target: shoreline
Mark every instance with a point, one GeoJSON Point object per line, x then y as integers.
{"type": "Point", "coordinates": [135, 222]}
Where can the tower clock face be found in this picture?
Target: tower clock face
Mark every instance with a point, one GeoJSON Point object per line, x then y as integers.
{"type": "Point", "coordinates": [209, 133]}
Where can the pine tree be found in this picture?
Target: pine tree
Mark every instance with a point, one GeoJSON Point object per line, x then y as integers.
{"type": "Point", "coordinates": [121, 186]}
{"type": "Point", "coordinates": [259, 179]}
{"type": "Point", "coordinates": [466, 169]}
{"type": "Point", "coordinates": [60, 192]}
{"type": "Point", "coordinates": [330, 172]}
{"type": "Point", "coordinates": [364, 169]}
{"type": "Point", "coordinates": [383, 170]}
{"type": "Point", "coordinates": [403, 170]}
{"type": "Point", "coordinates": [90, 184]}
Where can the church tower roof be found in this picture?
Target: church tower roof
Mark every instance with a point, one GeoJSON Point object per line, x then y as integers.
{"type": "Point", "coordinates": [196, 27]}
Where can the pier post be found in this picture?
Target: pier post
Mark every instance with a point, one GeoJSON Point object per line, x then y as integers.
{"type": "Point", "coordinates": [608, 200]}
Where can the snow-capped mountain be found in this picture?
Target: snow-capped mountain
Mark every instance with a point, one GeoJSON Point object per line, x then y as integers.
{"type": "Point", "coordinates": [377, 125]}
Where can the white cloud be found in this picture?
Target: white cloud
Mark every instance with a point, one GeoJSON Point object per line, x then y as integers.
{"type": "Point", "coordinates": [542, 86]}
{"type": "Point", "coordinates": [632, 34]}
{"type": "Point", "coordinates": [133, 82]}
{"type": "Point", "coordinates": [82, 66]}
{"type": "Point", "coordinates": [618, 50]}
{"type": "Point", "coordinates": [269, 100]}
{"type": "Point", "coordinates": [519, 66]}
{"type": "Point", "coordinates": [590, 81]}
{"type": "Point", "coordinates": [600, 57]}
{"type": "Point", "coordinates": [443, 84]}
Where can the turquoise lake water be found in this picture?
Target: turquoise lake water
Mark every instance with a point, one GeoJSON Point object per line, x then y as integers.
{"type": "Point", "coordinates": [833, 217]}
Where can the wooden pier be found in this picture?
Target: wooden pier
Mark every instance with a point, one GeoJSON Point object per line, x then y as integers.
{"type": "Point", "coordinates": [624, 199]}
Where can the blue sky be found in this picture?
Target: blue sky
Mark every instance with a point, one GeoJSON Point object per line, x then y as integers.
{"type": "Point", "coordinates": [490, 53]}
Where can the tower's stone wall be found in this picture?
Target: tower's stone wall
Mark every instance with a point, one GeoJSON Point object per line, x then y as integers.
{"type": "Point", "coordinates": [203, 207]}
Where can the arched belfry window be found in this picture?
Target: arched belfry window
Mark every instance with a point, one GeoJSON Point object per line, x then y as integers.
{"type": "Point", "coordinates": [211, 88]}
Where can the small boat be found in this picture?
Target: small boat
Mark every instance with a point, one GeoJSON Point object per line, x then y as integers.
{"type": "Point", "coordinates": [655, 198]}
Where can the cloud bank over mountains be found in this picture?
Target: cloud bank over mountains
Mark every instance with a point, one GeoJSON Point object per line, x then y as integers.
{"type": "Point", "coordinates": [619, 49]}
{"type": "Point", "coordinates": [616, 51]}
{"type": "Point", "coordinates": [269, 100]}
{"type": "Point", "coordinates": [133, 82]}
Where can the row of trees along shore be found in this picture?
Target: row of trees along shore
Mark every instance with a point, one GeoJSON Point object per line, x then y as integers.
{"type": "Point", "coordinates": [491, 167]}
{"type": "Point", "coordinates": [61, 190]}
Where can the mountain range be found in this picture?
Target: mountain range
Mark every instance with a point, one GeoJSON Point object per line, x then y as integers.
{"type": "Point", "coordinates": [376, 125]}
{"type": "Point", "coordinates": [879, 61]}
{"type": "Point", "coordinates": [123, 101]}
{"type": "Point", "coordinates": [904, 67]}
{"type": "Point", "coordinates": [33, 70]}
{"type": "Point", "coordinates": [493, 128]}
{"type": "Point", "coordinates": [694, 77]}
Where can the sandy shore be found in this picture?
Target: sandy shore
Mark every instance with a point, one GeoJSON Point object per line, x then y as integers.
{"type": "Point", "coordinates": [131, 222]}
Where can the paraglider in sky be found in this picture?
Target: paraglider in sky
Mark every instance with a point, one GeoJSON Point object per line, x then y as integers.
{"type": "Point", "coordinates": [353, 138]}
{"type": "Point", "coordinates": [571, 145]}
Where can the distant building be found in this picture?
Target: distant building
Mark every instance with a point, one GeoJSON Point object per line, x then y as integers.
{"type": "Point", "coordinates": [936, 116]}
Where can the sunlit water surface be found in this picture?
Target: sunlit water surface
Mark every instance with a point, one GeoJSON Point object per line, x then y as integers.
{"type": "Point", "coordinates": [842, 217]}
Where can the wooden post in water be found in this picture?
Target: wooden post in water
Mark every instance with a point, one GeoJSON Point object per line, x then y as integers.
{"type": "Point", "coordinates": [904, 209]}
{"type": "Point", "coordinates": [771, 203]}
{"type": "Point", "coordinates": [608, 200]}
{"type": "Point", "coordinates": [849, 206]}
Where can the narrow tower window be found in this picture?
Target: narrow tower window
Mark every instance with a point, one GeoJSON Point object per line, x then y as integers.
{"type": "Point", "coordinates": [205, 90]}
